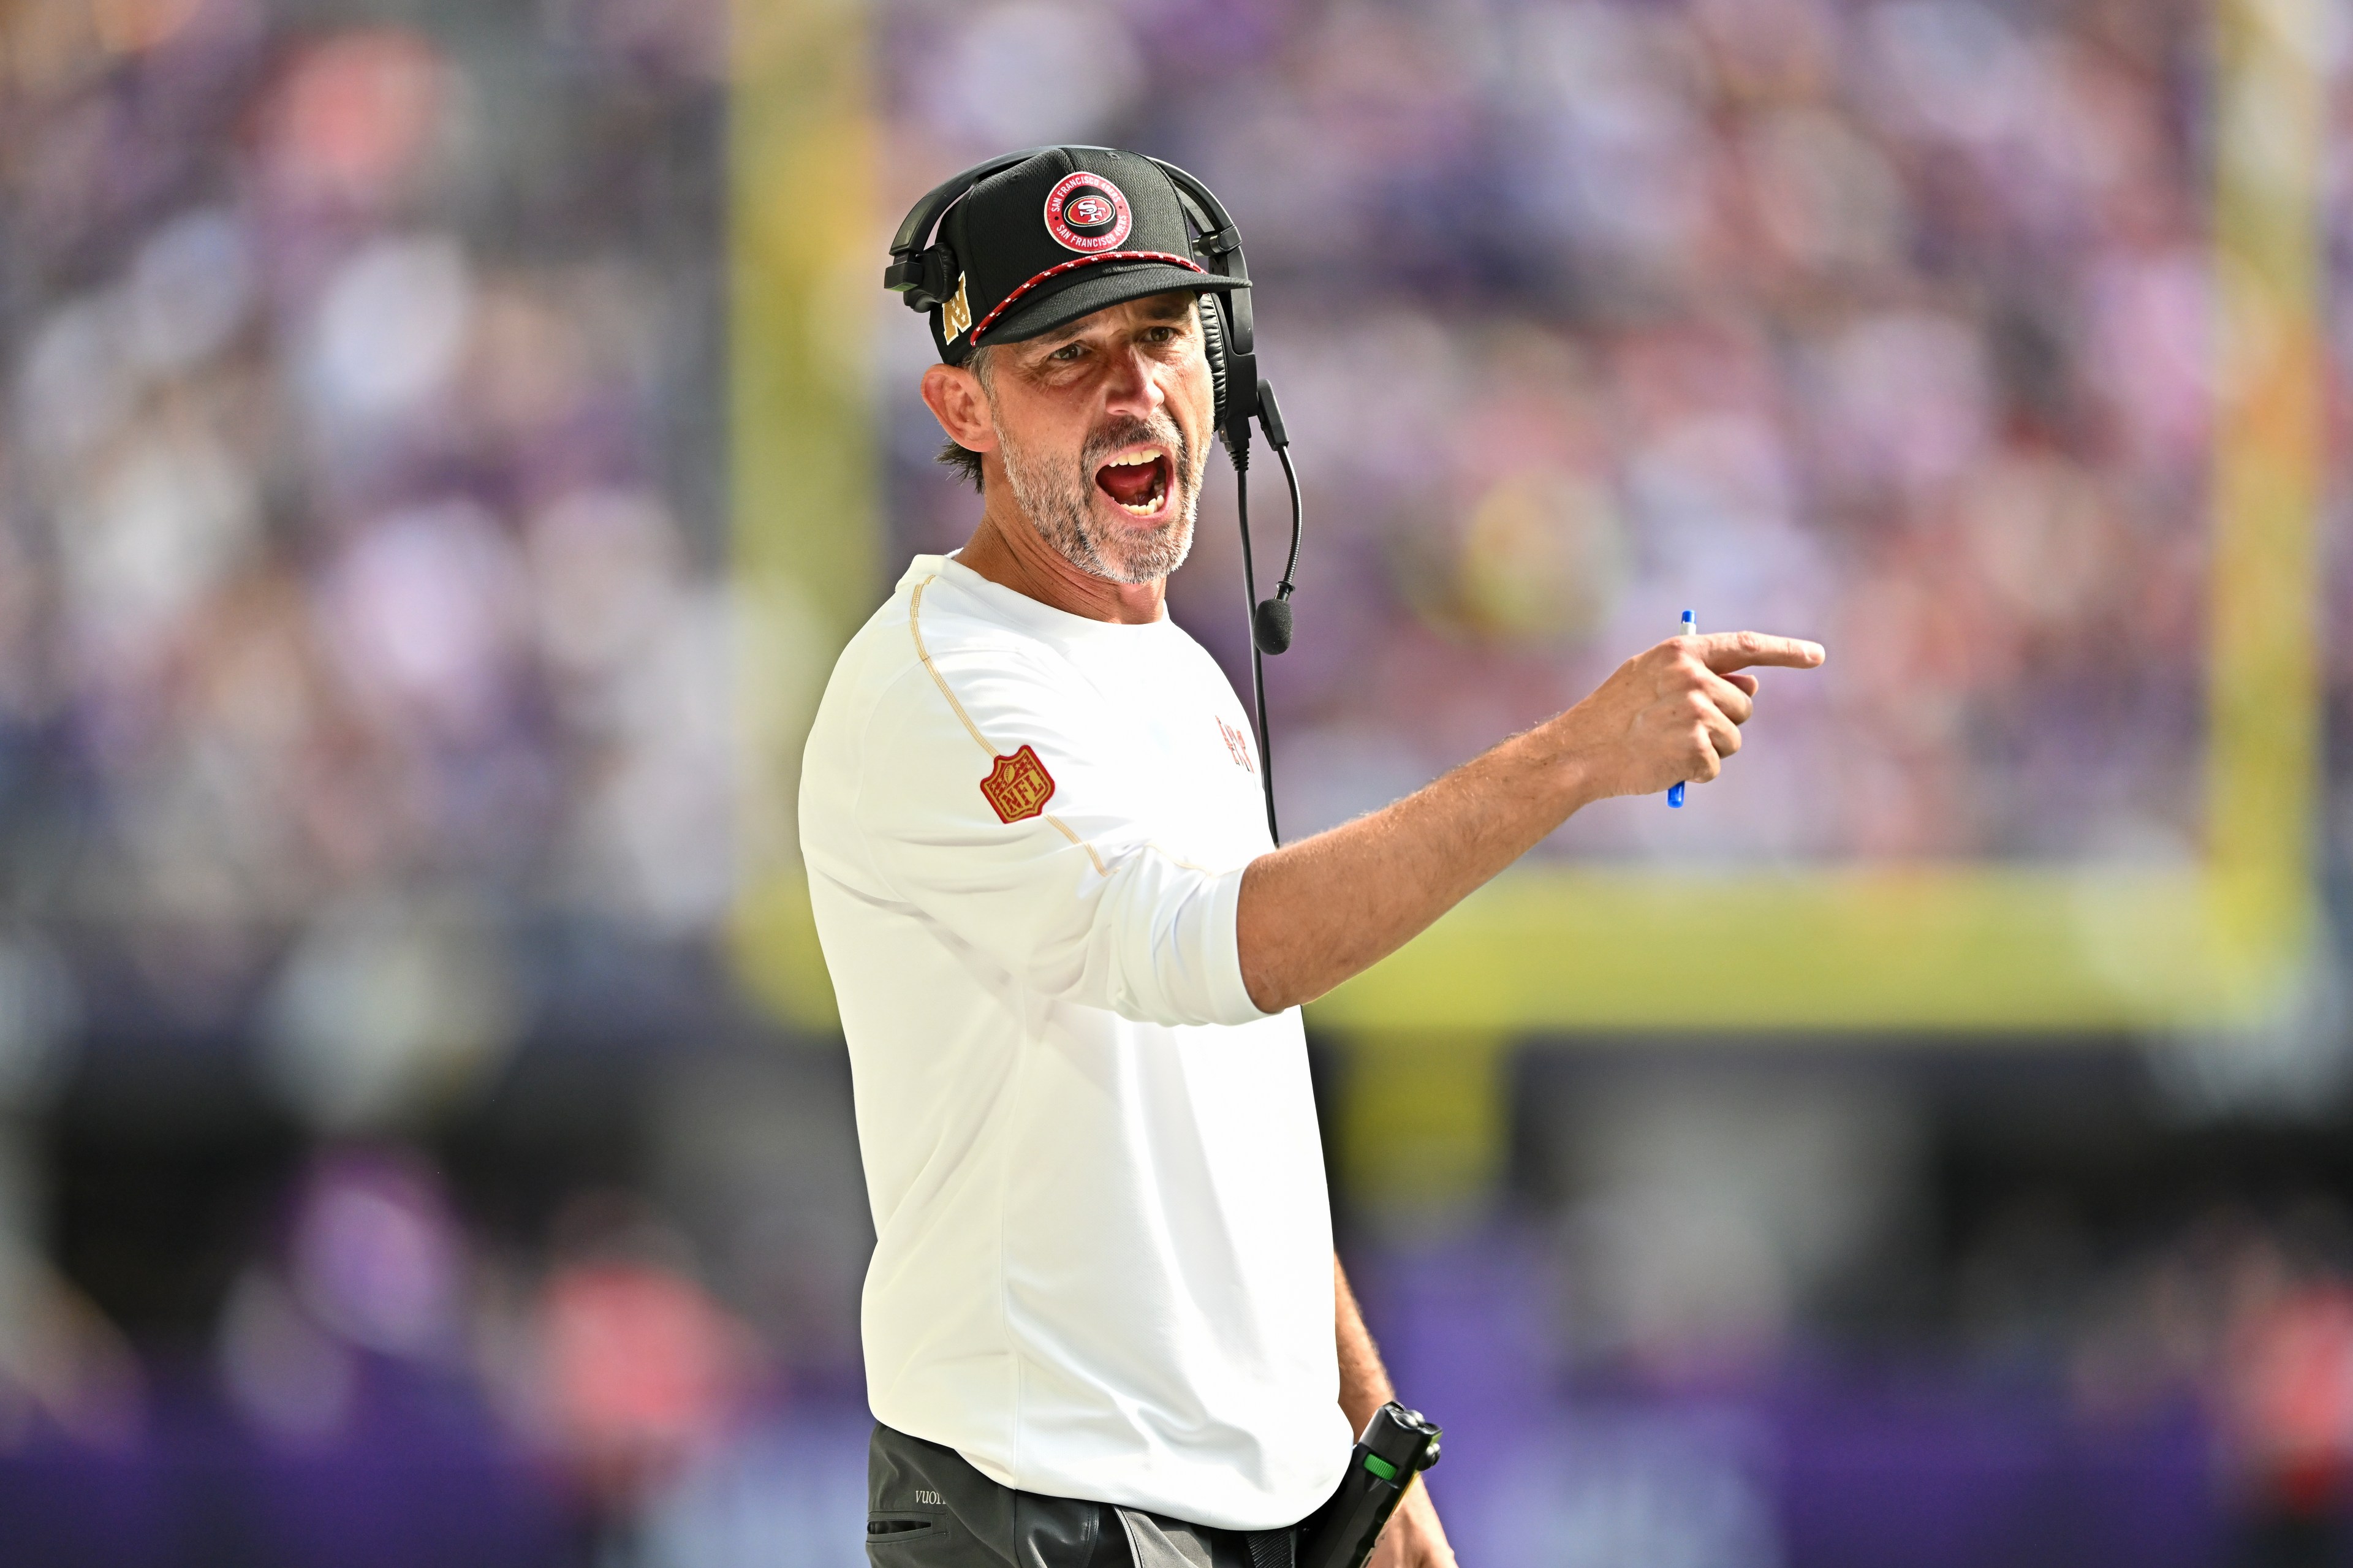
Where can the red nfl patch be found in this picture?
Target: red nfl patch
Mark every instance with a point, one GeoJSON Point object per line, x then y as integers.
{"type": "Point", "coordinates": [1018, 786]}
{"type": "Point", "coordinates": [1086, 213]}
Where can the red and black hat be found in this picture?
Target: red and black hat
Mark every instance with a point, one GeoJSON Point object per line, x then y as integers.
{"type": "Point", "coordinates": [1061, 234]}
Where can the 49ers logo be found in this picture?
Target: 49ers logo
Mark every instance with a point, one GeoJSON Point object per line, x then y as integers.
{"type": "Point", "coordinates": [1086, 211]}
{"type": "Point", "coordinates": [1018, 786]}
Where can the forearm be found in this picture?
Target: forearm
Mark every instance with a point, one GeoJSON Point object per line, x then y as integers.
{"type": "Point", "coordinates": [1315, 912]}
{"type": "Point", "coordinates": [1414, 1538]}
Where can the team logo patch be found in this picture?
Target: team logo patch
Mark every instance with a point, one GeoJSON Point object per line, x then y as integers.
{"type": "Point", "coordinates": [1018, 786]}
{"type": "Point", "coordinates": [1086, 211]}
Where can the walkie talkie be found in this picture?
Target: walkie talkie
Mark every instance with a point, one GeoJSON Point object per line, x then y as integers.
{"type": "Point", "coordinates": [1397, 1444]}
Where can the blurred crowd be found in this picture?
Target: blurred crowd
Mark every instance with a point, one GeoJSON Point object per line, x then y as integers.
{"type": "Point", "coordinates": [360, 597]}
{"type": "Point", "coordinates": [1887, 323]}
{"type": "Point", "coordinates": [366, 736]}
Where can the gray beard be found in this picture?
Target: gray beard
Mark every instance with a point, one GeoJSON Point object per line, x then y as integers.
{"type": "Point", "coordinates": [1060, 503]}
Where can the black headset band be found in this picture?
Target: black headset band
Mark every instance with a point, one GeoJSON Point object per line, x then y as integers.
{"type": "Point", "coordinates": [1223, 243]}
{"type": "Point", "coordinates": [915, 233]}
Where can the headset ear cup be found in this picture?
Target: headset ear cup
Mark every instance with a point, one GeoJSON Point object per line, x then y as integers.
{"type": "Point", "coordinates": [1213, 349]}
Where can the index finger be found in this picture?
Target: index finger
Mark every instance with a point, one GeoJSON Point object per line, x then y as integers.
{"type": "Point", "coordinates": [1722, 651]}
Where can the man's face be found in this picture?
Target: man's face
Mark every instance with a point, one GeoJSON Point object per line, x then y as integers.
{"type": "Point", "coordinates": [1105, 429]}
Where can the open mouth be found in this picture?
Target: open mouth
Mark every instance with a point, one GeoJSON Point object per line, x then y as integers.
{"type": "Point", "coordinates": [1138, 481]}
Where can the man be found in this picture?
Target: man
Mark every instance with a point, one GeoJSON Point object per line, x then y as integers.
{"type": "Point", "coordinates": [1103, 1322]}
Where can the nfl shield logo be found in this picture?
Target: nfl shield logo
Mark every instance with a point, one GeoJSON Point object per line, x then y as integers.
{"type": "Point", "coordinates": [1018, 786]}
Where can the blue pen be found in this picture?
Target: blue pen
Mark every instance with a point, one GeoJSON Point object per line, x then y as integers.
{"type": "Point", "coordinates": [1690, 629]}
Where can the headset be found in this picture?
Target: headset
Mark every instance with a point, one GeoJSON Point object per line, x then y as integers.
{"type": "Point", "coordinates": [924, 274]}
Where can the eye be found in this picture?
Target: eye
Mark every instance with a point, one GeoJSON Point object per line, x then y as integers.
{"type": "Point", "coordinates": [1066, 354]}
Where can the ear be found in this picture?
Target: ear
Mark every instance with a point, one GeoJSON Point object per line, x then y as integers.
{"type": "Point", "coordinates": [953, 393]}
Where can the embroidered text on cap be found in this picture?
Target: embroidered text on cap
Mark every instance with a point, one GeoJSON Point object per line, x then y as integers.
{"type": "Point", "coordinates": [955, 316]}
{"type": "Point", "coordinates": [1086, 213]}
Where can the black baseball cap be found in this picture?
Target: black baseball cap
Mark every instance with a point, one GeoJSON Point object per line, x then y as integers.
{"type": "Point", "coordinates": [1059, 235]}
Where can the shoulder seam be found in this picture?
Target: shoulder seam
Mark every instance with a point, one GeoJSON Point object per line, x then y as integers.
{"type": "Point", "coordinates": [915, 630]}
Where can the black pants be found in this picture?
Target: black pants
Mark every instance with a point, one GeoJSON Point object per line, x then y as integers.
{"type": "Point", "coordinates": [928, 1507]}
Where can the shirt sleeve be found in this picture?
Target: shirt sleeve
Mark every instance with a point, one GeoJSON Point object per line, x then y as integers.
{"type": "Point", "coordinates": [1073, 897]}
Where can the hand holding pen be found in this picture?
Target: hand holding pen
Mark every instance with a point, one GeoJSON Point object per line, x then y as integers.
{"type": "Point", "coordinates": [1671, 714]}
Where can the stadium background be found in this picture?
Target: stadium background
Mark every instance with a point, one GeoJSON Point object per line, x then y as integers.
{"type": "Point", "coordinates": [442, 443]}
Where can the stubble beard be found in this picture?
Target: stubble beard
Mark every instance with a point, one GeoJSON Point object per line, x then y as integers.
{"type": "Point", "coordinates": [1059, 501]}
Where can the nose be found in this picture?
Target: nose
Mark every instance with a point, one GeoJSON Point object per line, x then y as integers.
{"type": "Point", "coordinates": [1132, 385]}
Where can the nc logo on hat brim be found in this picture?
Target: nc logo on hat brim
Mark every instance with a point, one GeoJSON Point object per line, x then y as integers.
{"type": "Point", "coordinates": [1086, 213]}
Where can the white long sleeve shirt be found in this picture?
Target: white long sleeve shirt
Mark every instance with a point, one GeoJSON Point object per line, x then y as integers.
{"type": "Point", "coordinates": [1103, 1256]}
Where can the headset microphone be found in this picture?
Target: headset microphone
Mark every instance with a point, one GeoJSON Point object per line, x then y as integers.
{"type": "Point", "coordinates": [1271, 622]}
{"type": "Point", "coordinates": [1271, 626]}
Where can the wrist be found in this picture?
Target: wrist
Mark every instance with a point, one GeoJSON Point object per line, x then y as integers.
{"type": "Point", "coordinates": [1572, 773]}
{"type": "Point", "coordinates": [1580, 784]}
{"type": "Point", "coordinates": [1420, 1537]}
